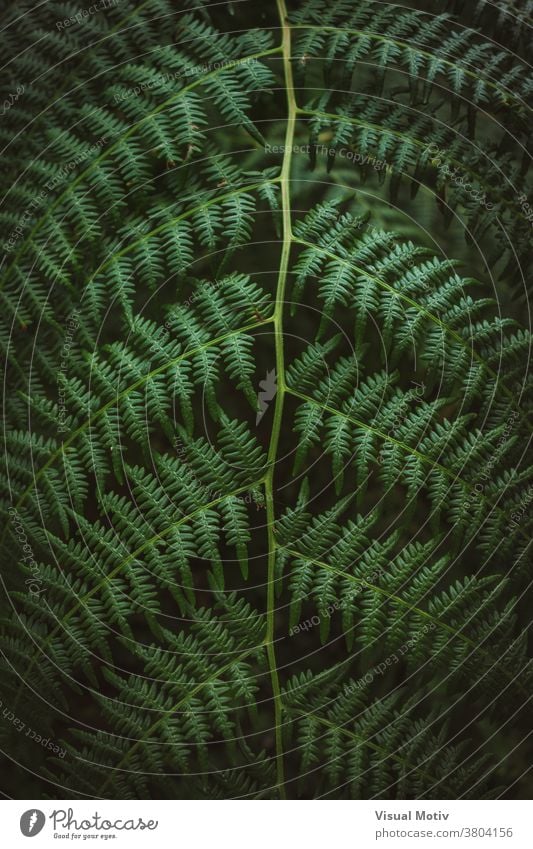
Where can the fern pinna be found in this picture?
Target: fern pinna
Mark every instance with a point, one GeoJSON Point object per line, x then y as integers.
{"type": "Point", "coordinates": [266, 486]}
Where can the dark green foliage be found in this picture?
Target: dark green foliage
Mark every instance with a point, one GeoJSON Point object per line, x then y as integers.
{"type": "Point", "coordinates": [327, 599]}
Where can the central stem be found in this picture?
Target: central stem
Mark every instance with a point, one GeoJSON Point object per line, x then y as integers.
{"type": "Point", "coordinates": [280, 397]}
